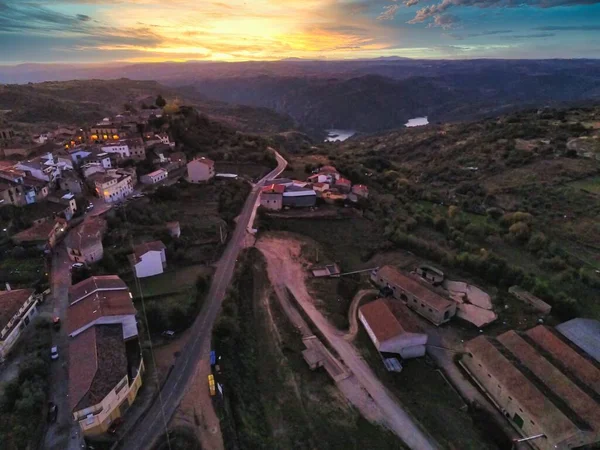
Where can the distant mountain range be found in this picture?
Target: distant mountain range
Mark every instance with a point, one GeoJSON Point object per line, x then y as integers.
{"type": "Point", "coordinates": [366, 95]}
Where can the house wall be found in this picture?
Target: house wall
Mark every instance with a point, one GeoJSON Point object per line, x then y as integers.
{"type": "Point", "coordinates": [13, 196]}
{"type": "Point", "coordinates": [121, 150]}
{"type": "Point", "coordinates": [90, 254]}
{"type": "Point", "coordinates": [70, 184]}
{"type": "Point", "coordinates": [147, 179]}
{"type": "Point", "coordinates": [150, 265]}
{"type": "Point", "coordinates": [271, 201]}
{"type": "Point", "coordinates": [113, 406]}
{"type": "Point", "coordinates": [512, 409]}
{"type": "Point", "coordinates": [199, 172]}
{"type": "Point", "coordinates": [26, 313]}
{"type": "Point", "coordinates": [116, 192]}
{"type": "Point", "coordinates": [138, 153]}
{"type": "Point", "coordinates": [415, 303]}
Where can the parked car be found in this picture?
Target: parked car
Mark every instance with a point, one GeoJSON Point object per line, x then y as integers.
{"type": "Point", "coordinates": [115, 425]}
{"type": "Point", "coordinates": [52, 412]}
{"type": "Point", "coordinates": [169, 334]}
{"type": "Point", "coordinates": [54, 353]}
{"type": "Point", "coordinates": [56, 323]}
{"type": "Point", "coordinates": [77, 266]}
{"type": "Point", "coordinates": [89, 206]}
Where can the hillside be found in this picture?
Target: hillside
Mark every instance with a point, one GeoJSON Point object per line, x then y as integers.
{"type": "Point", "coordinates": [504, 200]}
{"type": "Point", "coordinates": [80, 102]}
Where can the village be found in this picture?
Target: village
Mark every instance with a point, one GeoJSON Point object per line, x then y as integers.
{"type": "Point", "coordinates": [541, 382]}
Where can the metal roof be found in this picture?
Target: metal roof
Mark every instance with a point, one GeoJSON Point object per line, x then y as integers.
{"type": "Point", "coordinates": [585, 333]}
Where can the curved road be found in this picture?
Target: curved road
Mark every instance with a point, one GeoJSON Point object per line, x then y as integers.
{"type": "Point", "coordinates": [154, 422]}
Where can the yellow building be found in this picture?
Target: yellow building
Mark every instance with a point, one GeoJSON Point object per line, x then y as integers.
{"type": "Point", "coordinates": [105, 360]}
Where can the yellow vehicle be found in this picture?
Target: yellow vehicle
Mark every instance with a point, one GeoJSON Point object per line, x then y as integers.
{"type": "Point", "coordinates": [211, 385]}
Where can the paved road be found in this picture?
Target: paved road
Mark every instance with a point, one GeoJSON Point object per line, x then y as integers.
{"type": "Point", "coordinates": [65, 433]}
{"type": "Point", "coordinates": [155, 421]}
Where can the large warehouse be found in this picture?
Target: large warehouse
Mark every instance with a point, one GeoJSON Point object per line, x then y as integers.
{"type": "Point", "coordinates": [386, 332]}
{"type": "Point", "coordinates": [542, 383]}
{"type": "Point", "coordinates": [417, 296]}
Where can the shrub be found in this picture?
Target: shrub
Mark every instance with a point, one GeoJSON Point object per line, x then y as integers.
{"type": "Point", "coordinates": [520, 231]}
{"type": "Point", "coordinates": [536, 242]}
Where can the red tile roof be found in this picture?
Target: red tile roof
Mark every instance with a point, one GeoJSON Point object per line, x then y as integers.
{"type": "Point", "coordinates": [344, 181]}
{"type": "Point", "coordinates": [415, 288]}
{"type": "Point", "coordinates": [527, 394]}
{"type": "Point", "coordinates": [87, 234]}
{"type": "Point", "coordinates": [582, 405]}
{"type": "Point", "coordinates": [99, 362]}
{"type": "Point", "coordinates": [205, 161]}
{"type": "Point", "coordinates": [381, 320]}
{"type": "Point", "coordinates": [11, 302]}
{"type": "Point", "coordinates": [582, 368]}
{"type": "Point", "coordinates": [40, 232]}
{"type": "Point", "coordinates": [93, 284]}
{"type": "Point", "coordinates": [274, 189]}
{"type": "Point", "coordinates": [99, 304]}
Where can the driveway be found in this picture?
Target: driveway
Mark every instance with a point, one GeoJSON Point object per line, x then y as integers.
{"type": "Point", "coordinates": [154, 423]}
{"type": "Point", "coordinates": [64, 434]}
{"type": "Point", "coordinates": [363, 388]}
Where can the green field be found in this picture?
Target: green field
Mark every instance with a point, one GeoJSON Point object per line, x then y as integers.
{"type": "Point", "coordinates": [591, 184]}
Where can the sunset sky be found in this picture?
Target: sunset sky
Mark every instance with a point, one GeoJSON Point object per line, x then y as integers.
{"type": "Point", "coordinates": [234, 30]}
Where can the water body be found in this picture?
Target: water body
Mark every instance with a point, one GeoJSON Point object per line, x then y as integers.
{"type": "Point", "coordinates": [417, 122]}
{"type": "Point", "coordinates": [338, 135]}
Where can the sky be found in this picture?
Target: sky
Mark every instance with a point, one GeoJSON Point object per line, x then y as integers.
{"type": "Point", "coordinates": [101, 31]}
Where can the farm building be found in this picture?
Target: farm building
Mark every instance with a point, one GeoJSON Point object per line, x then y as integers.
{"type": "Point", "coordinates": [388, 334]}
{"type": "Point", "coordinates": [584, 333]}
{"type": "Point", "coordinates": [271, 196]}
{"type": "Point", "coordinates": [530, 299]}
{"type": "Point", "coordinates": [541, 383]}
{"type": "Point", "coordinates": [431, 274]}
{"type": "Point", "coordinates": [299, 197]}
{"type": "Point", "coordinates": [417, 296]}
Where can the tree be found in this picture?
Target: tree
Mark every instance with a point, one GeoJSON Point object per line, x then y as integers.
{"type": "Point", "coordinates": [160, 101]}
{"type": "Point", "coordinates": [519, 230]}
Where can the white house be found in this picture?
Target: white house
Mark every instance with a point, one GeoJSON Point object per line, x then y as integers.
{"type": "Point", "coordinates": [119, 147]}
{"type": "Point", "coordinates": [113, 186]}
{"type": "Point", "coordinates": [17, 309]}
{"type": "Point", "coordinates": [200, 170]}
{"type": "Point", "coordinates": [149, 259]}
{"type": "Point", "coordinates": [154, 177]}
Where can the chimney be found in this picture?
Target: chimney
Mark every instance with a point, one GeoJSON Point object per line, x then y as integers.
{"type": "Point", "coordinates": [8, 287]}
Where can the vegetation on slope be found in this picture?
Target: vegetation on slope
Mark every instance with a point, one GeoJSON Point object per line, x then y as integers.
{"type": "Point", "coordinates": [499, 200]}
{"type": "Point", "coordinates": [272, 399]}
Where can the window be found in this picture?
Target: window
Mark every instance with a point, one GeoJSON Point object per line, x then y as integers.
{"type": "Point", "coordinates": [518, 420]}
{"type": "Point", "coordinates": [510, 398]}
{"type": "Point", "coordinates": [26, 320]}
{"type": "Point", "coordinates": [430, 310]}
{"type": "Point", "coordinates": [489, 376]}
{"type": "Point", "coordinates": [422, 305]}
{"type": "Point", "coordinates": [479, 365]}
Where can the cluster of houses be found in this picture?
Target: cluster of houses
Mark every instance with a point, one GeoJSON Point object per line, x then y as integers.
{"type": "Point", "coordinates": [326, 184]}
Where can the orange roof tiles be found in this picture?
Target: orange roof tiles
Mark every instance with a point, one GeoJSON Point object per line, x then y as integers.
{"type": "Point", "coordinates": [87, 234]}
{"type": "Point", "coordinates": [530, 397]}
{"type": "Point", "coordinates": [92, 284]}
{"type": "Point", "coordinates": [381, 320]}
{"type": "Point", "coordinates": [580, 404]}
{"type": "Point", "coordinates": [11, 302]}
{"type": "Point", "coordinates": [583, 369]}
{"type": "Point", "coordinates": [99, 304]}
{"type": "Point", "coordinates": [274, 189]}
{"type": "Point", "coordinates": [415, 288]}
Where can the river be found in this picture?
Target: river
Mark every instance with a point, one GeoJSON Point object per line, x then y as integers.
{"type": "Point", "coordinates": [338, 135]}
{"type": "Point", "coordinates": [417, 122]}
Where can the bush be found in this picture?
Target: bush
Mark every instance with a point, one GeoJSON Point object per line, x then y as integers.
{"type": "Point", "coordinates": [537, 242]}
{"type": "Point", "coordinates": [520, 231]}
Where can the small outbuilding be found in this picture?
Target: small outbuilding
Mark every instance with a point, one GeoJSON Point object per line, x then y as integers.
{"type": "Point", "coordinates": [299, 197]}
{"type": "Point", "coordinates": [148, 259]}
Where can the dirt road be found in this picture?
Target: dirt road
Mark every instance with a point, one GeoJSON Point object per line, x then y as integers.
{"type": "Point", "coordinates": [363, 388]}
{"type": "Point", "coordinates": [352, 312]}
